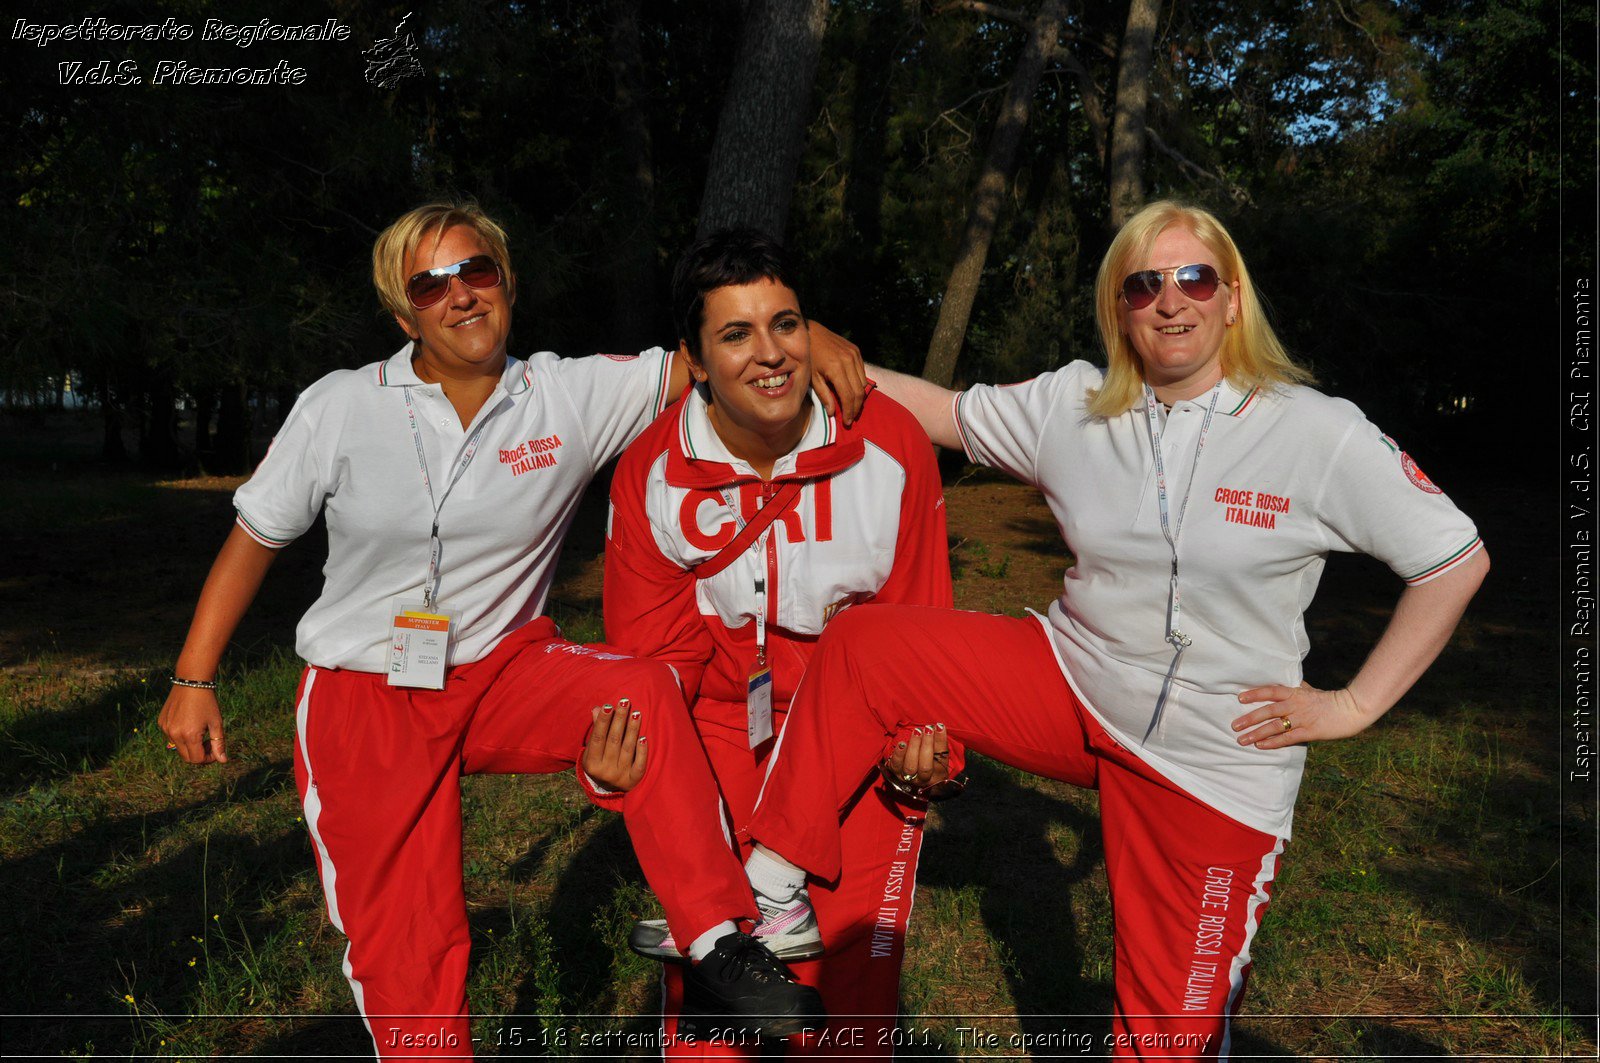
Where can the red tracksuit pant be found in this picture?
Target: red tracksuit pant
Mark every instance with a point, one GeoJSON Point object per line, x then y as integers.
{"type": "Point", "coordinates": [863, 914]}
{"type": "Point", "coordinates": [1188, 885]}
{"type": "Point", "coordinates": [379, 769]}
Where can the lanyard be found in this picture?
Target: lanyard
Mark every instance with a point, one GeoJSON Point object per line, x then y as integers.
{"type": "Point", "coordinates": [431, 588]}
{"type": "Point", "coordinates": [760, 547]}
{"type": "Point", "coordinates": [1172, 531]}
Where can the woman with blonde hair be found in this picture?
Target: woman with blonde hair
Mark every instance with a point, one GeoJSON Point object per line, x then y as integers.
{"type": "Point", "coordinates": [449, 474]}
{"type": "Point", "coordinates": [1200, 485]}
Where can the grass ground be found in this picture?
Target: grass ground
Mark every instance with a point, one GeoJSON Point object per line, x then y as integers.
{"type": "Point", "coordinates": [1437, 899]}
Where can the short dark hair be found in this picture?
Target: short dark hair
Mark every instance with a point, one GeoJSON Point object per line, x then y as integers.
{"type": "Point", "coordinates": [727, 256]}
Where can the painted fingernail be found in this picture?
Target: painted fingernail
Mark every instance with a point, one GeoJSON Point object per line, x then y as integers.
{"type": "Point", "coordinates": [902, 745]}
{"type": "Point", "coordinates": [606, 709]}
{"type": "Point", "coordinates": [624, 704]}
{"type": "Point", "coordinates": [916, 730]}
{"type": "Point", "coordinates": [636, 715]}
{"type": "Point", "coordinates": [941, 726]}
{"type": "Point", "coordinates": [643, 739]}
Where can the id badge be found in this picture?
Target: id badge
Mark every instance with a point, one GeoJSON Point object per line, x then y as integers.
{"type": "Point", "coordinates": [419, 645]}
{"type": "Point", "coordinates": [758, 706]}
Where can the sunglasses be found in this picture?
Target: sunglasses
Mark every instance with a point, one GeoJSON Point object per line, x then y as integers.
{"type": "Point", "coordinates": [429, 286]}
{"type": "Point", "coordinates": [1198, 281]}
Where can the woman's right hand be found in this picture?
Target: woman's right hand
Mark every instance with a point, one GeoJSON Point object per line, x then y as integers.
{"type": "Point", "coordinates": [192, 722]}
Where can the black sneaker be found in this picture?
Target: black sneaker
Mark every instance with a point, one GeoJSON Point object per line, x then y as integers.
{"type": "Point", "coordinates": [741, 992]}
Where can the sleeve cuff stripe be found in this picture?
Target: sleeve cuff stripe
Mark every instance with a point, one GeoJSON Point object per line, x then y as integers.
{"type": "Point", "coordinates": [258, 535]}
{"type": "Point", "coordinates": [1448, 563]}
{"type": "Point", "coordinates": [661, 385]}
{"type": "Point", "coordinates": [961, 429]}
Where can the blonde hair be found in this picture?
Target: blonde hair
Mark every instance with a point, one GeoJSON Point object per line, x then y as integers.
{"type": "Point", "coordinates": [1252, 355]}
{"type": "Point", "coordinates": [406, 233]}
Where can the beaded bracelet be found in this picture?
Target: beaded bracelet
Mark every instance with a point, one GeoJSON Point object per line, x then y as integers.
{"type": "Point", "coordinates": [198, 684]}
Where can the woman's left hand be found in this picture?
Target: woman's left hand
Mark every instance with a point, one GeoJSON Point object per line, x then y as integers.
{"type": "Point", "coordinates": [836, 364]}
{"type": "Point", "coordinates": [923, 759]}
{"type": "Point", "coordinates": [614, 755]}
{"type": "Point", "coordinates": [1293, 715]}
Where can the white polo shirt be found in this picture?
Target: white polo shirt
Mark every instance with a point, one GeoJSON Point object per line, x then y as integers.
{"type": "Point", "coordinates": [1286, 475]}
{"type": "Point", "coordinates": [347, 446]}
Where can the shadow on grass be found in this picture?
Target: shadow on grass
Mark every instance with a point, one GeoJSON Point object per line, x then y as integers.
{"type": "Point", "coordinates": [996, 838]}
{"type": "Point", "coordinates": [73, 936]}
{"type": "Point", "coordinates": [583, 979]}
{"type": "Point", "coordinates": [45, 745]}
{"type": "Point", "coordinates": [1039, 535]}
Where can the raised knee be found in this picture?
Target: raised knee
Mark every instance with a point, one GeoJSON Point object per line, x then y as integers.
{"type": "Point", "coordinates": [649, 685]}
{"type": "Point", "coordinates": [863, 634]}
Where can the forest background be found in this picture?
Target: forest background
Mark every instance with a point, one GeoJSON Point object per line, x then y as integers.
{"type": "Point", "coordinates": [1405, 178]}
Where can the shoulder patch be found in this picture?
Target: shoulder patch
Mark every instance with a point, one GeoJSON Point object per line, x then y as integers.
{"type": "Point", "coordinates": [1417, 476]}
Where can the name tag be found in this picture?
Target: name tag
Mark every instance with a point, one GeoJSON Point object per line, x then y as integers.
{"type": "Point", "coordinates": [758, 706]}
{"type": "Point", "coordinates": [419, 646]}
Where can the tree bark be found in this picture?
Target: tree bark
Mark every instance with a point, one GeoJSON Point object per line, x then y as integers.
{"type": "Point", "coordinates": [233, 430]}
{"type": "Point", "coordinates": [984, 208]}
{"type": "Point", "coordinates": [761, 131]}
{"type": "Point", "coordinates": [633, 273]}
{"type": "Point", "coordinates": [205, 404]}
{"type": "Point", "coordinates": [1094, 111]}
{"type": "Point", "coordinates": [159, 449]}
{"type": "Point", "coordinates": [112, 448]}
{"type": "Point", "coordinates": [1126, 179]}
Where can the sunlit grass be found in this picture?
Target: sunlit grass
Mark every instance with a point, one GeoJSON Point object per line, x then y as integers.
{"type": "Point", "coordinates": [1415, 914]}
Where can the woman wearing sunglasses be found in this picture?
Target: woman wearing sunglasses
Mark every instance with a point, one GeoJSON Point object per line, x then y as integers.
{"type": "Point", "coordinates": [1200, 485]}
{"type": "Point", "coordinates": [449, 474]}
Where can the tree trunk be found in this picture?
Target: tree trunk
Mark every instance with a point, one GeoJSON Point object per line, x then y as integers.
{"type": "Point", "coordinates": [112, 449]}
{"type": "Point", "coordinates": [1094, 111]}
{"type": "Point", "coordinates": [633, 312]}
{"type": "Point", "coordinates": [853, 290]}
{"type": "Point", "coordinates": [159, 449]}
{"type": "Point", "coordinates": [233, 430]}
{"type": "Point", "coordinates": [984, 208]}
{"type": "Point", "coordinates": [1125, 181]}
{"type": "Point", "coordinates": [205, 404]}
{"type": "Point", "coordinates": [761, 131]}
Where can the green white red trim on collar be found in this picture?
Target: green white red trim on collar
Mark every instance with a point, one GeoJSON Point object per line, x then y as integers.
{"type": "Point", "coordinates": [1245, 404]}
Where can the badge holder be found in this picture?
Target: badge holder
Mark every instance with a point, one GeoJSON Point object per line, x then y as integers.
{"type": "Point", "coordinates": [419, 644]}
{"type": "Point", "coordinates": [758, 689]}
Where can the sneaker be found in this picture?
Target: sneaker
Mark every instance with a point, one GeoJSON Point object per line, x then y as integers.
{"type": "Point", "coordinates": [741, 992]}
{"type": "Point", "coordinates": [789, 931]}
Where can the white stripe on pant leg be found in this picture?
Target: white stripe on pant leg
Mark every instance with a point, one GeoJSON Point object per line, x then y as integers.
{"type": "Point", "coordinates": [313, 811]}
{"type": "Point", "coordinates": [1269, 869]}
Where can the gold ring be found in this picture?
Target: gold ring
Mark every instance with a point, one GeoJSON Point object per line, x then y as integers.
{"type": "Point", "coordinates": [909, 776]}
{"type": "Point", "coordinates": [1287, 726]}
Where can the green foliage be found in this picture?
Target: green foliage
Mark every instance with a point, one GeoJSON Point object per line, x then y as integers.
{"type": "Point", "coordinates": [183, 245]}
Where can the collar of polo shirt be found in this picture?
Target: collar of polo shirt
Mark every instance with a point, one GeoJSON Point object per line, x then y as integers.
{"type": "Point", "coordinates": [398, 372]}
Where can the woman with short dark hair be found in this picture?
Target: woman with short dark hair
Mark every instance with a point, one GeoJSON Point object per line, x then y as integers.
{"type": "Point", "coordinates": [743, 522]}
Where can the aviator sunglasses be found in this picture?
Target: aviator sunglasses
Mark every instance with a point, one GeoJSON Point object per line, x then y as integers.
{"type": "Point", "coordinates": [429, 286]}
{"type": "Point", "coordinates": [1198, 281]}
